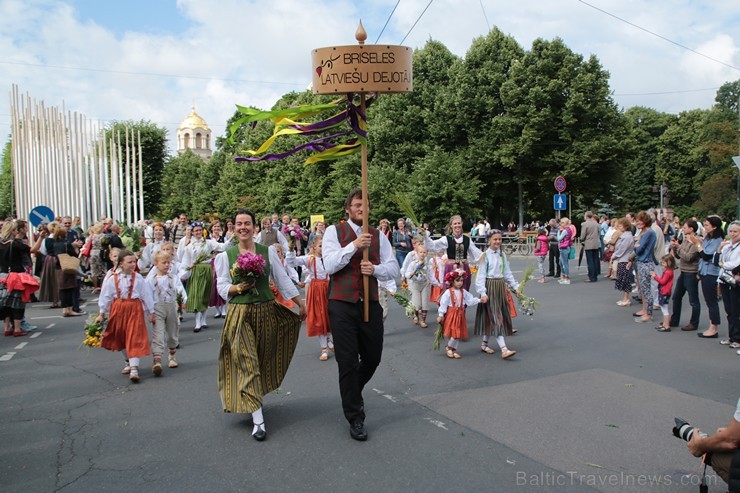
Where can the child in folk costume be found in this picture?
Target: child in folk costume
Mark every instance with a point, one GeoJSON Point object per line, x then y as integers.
{"type": "Point", "coordinates": [421, 277]}
{"type": "Point", "coordinates": [317, 295]}
{"type": "Point", "coordinates": [169, 247]}
{"type": "Point", "coordinates": [451, 313]}
{"type": "Point", "coordinates": [196, 266]}
{"type": "Point", "coordinates": [128, 299]}
{"type": "Point", "coordinates": [146, 262]}
{"type": "Point", "coordinates": [493, 317]}
{"type": "Point", "coordinates": [165, 287]}
{"type": "Point", "coordinates": [438, 268]}
{"type": "Point", "coordinates": [412, 256]}
{"type": "Point", "coordinates": [292, 274]}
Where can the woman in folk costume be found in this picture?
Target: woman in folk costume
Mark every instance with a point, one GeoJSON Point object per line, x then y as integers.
{"type": "Point", "coordinates": [438, 268]}
{"type": "Point", "coordinates": [196, 266]}
{"type": "Point", "coordinates": [127, 298]}
{"type": "Point", "coordinates": [146, 262]}
{"type": "Point", "coordinates": [493, 317]}
{"type": "Point", "coordinates": [215, 299]}
{"type": "Point", "coordinates": [259, 335]}
{"type": "Point", "coordinates": [451, 313]}
{"type": "Point", "coordinates": [317, 295]}
{"type": "Point", "coordinates": [459, 248]}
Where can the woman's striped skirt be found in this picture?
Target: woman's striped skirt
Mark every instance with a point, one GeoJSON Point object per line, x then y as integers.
{"type": "Point", "coordinates": [257, 344]}
{"type": "Point", "coordinates": [494, 318]}
{"type": "Point", "coordinates": [199, 288]}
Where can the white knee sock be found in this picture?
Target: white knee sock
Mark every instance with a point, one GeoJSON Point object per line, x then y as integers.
{"type": "Point", "coordinates": [329, 340]}
{"type": "Point", "coordinates": [501, 342]}
{"type": "Point", "coordinates": [322, 342]}
{"type": "Point", "coordinates": [222, 310]}
{"type": "Point", "coordinates": [203, 317]}
{"type": "Point", "coordinates": [453, 343]}
{"type": "Point", "coordinates": [134, 361]}
{"type": "Point", "coordinates": [485, 340]}
{"type": "Point", "coordinates": [258, 419]}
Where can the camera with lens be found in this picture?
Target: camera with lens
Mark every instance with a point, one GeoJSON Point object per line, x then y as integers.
{"type": "Point", "coordinates": [684, 430]}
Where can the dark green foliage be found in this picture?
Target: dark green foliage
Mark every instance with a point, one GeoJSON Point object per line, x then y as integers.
{"type": "Point", "coordinates": [6, 182]}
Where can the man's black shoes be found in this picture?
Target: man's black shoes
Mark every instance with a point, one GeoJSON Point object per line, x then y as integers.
{"type": "Point", "coordinates": [357, 431]}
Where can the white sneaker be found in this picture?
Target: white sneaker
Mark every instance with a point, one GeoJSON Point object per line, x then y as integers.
{"type": "Point", "coordinates": [171, 361]}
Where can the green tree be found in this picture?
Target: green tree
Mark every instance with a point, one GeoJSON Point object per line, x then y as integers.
{"type": "Point", "coordinates": [645, 126]}
{"type": "Point", "coordinates": [717, 196]}
{"type": "Point", "coordinates": [154, 155]}
{"type": "Point", "coordinates": [180, 174]}
{"type": "Point", "coordinates": [728, 97]}
{"type": "Point", "coordinates": [559, 119]}
{"type": "Point", "coordinates": [681, 155]}
{"type": "Point", "coordinates": [6, 182]}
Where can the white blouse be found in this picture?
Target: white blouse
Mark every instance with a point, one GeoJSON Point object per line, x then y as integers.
{"type": "Point", "coordinates": [142, 291]}
{"type": "Point", "coordinates": [438, 268]}
{"type": "Point", "coordinates": [303, 261]}
{"type": "Point", "coordinates": [194, 249]}
{"type": "Point", "coordinates": [424, 274]}
{"type": "Point", "coordinates": [147, 254]}
{"type": "Point", "coordinates": [474, 252]}
{"type": "Point", "coordinates": [277, 275]}
{"type": "Point", "coordinates": [166, 288]}
{"type": "Point", "coordinates": [491, 267]}
{"type": "Point", "coordinates": [446, 301]}
{"type": "Point", "coordinates": [730, 257]}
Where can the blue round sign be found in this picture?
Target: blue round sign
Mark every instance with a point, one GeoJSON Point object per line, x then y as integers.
{"type": "Point", "coordinates": [40, 215]}
{"type": "Point", "coordinates": [560, 184]}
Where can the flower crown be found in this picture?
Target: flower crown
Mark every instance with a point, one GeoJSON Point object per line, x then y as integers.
{"type": "Point", "coordinates": [455, 274]}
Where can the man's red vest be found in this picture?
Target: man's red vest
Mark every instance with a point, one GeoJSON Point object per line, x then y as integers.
{"type": "Point", "coordinates": [346, 285]}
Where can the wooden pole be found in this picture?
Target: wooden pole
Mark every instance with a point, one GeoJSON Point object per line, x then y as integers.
{"type": "Point", "coordinates": [365, 218]}
{"type": "Point", "coordinates": [361, 36]}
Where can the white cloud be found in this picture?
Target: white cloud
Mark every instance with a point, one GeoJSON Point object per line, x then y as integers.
{"type": "Point", "coordinates": [235, 41]}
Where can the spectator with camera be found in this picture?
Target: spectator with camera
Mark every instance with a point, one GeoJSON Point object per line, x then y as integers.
{"type": "Point", "coordinates": [722, 449]}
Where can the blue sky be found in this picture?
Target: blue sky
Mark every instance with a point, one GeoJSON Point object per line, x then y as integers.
{"type": "Point", "coordinates": [220, 53]}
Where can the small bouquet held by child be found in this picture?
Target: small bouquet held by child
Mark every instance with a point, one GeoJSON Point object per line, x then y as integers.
{"type": "Point", "coordinates": [93, 331]}
{"type": "Point", "coordinates": [527, 303]}
{"type": "Point", "coordinates": [248, 268]}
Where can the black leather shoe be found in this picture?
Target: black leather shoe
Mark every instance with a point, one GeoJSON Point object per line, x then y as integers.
{"type": "Point", "coordinates": [196, 330]}
{"type": "Point", "coordinates": [357, 431]}
{"type": "Point", "coordinates": [260, 434]}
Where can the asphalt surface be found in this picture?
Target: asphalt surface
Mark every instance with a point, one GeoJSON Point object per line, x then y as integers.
{"type": "Point", "coordinates": [587, 404]}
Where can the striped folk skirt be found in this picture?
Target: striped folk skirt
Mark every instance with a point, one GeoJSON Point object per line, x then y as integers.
{"type": "Point", "coordinates": [494, 317]}
{"type": "Point", "coordinates": [257, 344]}
{"type": "Point", "coordinates": [199, 288]}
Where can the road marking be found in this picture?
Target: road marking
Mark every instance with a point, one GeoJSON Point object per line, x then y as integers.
{"type": "Point", "coordinates": [50, 326]}
{"type": "Point", "coordinates": [438, 424]}
{"type": "Point", "coordinates": [6, 356]}
{"type": "Point", "coordinates": [21, 345]}
{"type": "Point", "coordinates": [378, 391]}
{"type": "Point", "coordinates": [36, 334]}
{"type": "Point", "coordinates": [46, 318]}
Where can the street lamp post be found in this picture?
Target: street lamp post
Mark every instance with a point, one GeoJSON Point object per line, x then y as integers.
{"type": "Point", "coordinates": [736, 159]}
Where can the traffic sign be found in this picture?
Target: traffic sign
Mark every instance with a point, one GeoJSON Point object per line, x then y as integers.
{"type": "Point", "coordinates": [40, 215]}
{"type": "Point", "coordinates": [560, 185]}
{"type": "Point", "coordinates": [736, 159]}
{"type": "Point", "coordinates": [560, 201]}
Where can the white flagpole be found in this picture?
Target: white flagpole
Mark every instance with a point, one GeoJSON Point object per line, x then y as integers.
{"type": "Point", "coordinates": [141, 177]}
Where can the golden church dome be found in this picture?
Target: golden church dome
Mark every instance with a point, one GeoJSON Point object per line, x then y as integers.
{"type": "Point", "coordinates": [193, 120]}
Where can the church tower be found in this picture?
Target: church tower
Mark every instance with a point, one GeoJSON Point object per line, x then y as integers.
{"type": "Point", "coordinates": [194, 134]}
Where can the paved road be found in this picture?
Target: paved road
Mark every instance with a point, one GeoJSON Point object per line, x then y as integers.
{"type": "Point", "coordinates": [586, 405]}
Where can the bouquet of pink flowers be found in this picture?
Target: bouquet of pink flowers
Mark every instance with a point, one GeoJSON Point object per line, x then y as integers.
{"type": "Point", "coordinates": [293, 232]}
{"type": "Point", "coordinates": [248, 268]}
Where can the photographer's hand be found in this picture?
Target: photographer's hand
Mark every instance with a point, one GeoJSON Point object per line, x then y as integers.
{"type": "Point", "coordinates": [696, 444]}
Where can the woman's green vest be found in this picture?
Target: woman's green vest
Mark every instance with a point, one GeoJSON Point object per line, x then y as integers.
{"type": "Point", "coordinates": [263, 283]}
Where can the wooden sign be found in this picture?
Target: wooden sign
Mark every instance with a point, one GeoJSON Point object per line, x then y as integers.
{"type": "Point", "coordinates": [362, 68]}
